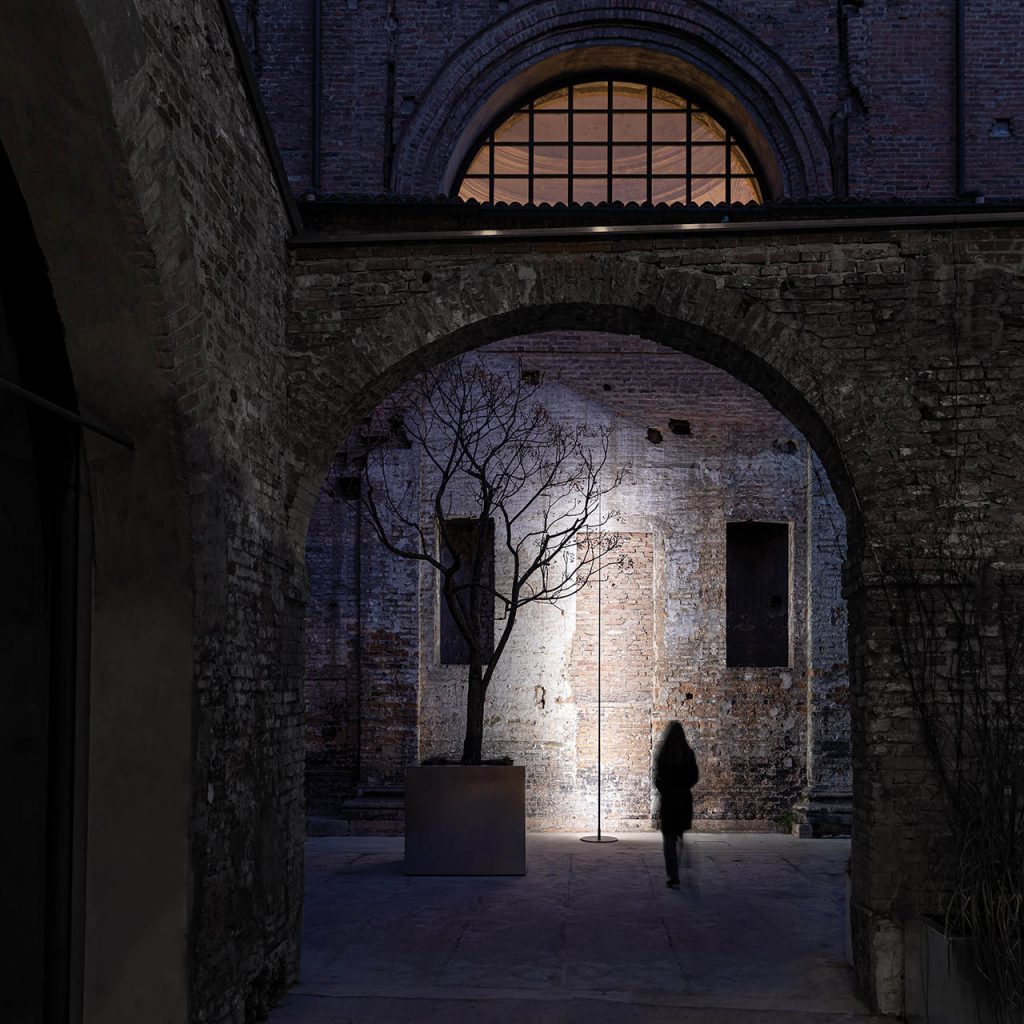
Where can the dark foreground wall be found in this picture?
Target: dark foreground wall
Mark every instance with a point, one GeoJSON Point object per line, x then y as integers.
{"type": "Point", "coordinates": [152, 197]}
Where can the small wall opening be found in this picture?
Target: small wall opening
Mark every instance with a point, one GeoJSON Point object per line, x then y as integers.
{"type": "Point", "coordinates": [461, 541]}
{"type": "Point", "coordinates": [757, 595]}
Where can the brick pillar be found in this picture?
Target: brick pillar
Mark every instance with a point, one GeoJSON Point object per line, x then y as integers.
{"type": "Point", "coordinates": [826, 804]}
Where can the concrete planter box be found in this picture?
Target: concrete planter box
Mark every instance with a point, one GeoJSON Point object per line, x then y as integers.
{"type": "Point", "coordinates": [943, 985]}
{"type": "Point", "coordinates": [465, 820]}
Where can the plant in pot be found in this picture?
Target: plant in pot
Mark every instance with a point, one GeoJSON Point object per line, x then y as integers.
{"type": "Point", "coordinates": [508, 514]}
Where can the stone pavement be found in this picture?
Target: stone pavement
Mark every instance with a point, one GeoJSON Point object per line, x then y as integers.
{"type": "Point", "coordinates": [756, 935]}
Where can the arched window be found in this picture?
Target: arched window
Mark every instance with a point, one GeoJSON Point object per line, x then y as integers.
{"type": "Point", "coordinates": [610, 140]}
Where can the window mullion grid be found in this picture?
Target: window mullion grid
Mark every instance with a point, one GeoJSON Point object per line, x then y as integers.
{"type": "Point", "coordinates": [729, 142]}
{"type": "Point", "coordinates": [569, 144]}
{"type": "Point", "coordinates": [529, 156]}
{"type": "Point", "coordinates": [728, 167]}
{"type": "Point", "coordinates": [490, 168]}
{"type": "Point", "coordinates": [688, 170]}
{"type": "Point", "coordinates": [650, 144]}
{"type": "Point", "coordinates": [608, 153]}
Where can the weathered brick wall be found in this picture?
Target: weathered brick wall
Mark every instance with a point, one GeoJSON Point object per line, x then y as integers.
{"type": "Point", "coordinates": [875, 86]}
{"type": "Point", "coordinates": [332, 692]}
{"type": "Point", "coordinates": [630, 678]}
{"type": "Point", "coordinates": [895, 351]}
{"type": "Point", "coordinates": [828, 769]}
{"type": "Point", "coordinates": [663, 616]}
{"type": "Point", "coordinates": [216, 232]}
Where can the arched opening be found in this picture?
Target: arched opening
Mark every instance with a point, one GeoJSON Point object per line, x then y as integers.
{"type": "Point", "coordinates": [706, 461]}
{"type": "Point", "coordinates": [45, 527]}
{"type": "Point", "coordinates": [612, 139]}
{"type": "Point", "coordinates": [704, 453]}
{"type": "Point", "coordinates": [737, 73]}
{"type": "Point", "coordinates": [129, 903]}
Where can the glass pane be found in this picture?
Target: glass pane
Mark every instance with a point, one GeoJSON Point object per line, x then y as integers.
{"type": "Point", "coordinates": [668, 127]}
{"type": "Point", "coordinates": [511, 159]}
{"type": "Point", "coordinates": [703, 159]}
{"type": "Point", "coordinates": [515, 129]}
{"type": "Point", "coordinates": [629, 159]}
{"type": "Point", "coordinates": [629, 127]}
{"type": "Point", "coordinates": [744, 190]}
{"type": "Point", "coordinates": [738, 162]}
{"type": "Point", "coordinates": [551, 160]}
{"type": "Point", "coordinates": [590, 190]}
{"type": "Point", "coordinates": [583, 169]}
{"type": "Point", "coordinates": [663, 100]}
{"type": "Point", "coordinates": [706, 129]}
{"type": "Point", "coordinates": [589, 127]}
{"type": "Point", "coordinates": [558, 98]}
{"type": "Point", "coordinates": [511, 190]}
{"type": "Point", "coordinates": [590, 96]}
{"type": "Point", "coordinates": [481, 163]}
{"type": "Point", "coordinates": [629, 96]}
{"type": "Point", "coordinates": [668, 190]}
{"type": "Point", "coordinates": [551, 190]}
{"type": "Point", "coordinates": [589, 160]}
{"type": "Point", "coordinates": [629, 190]}
{"type": "Point", "coordinates": [708, 190]}
{"type": "Point", "coordinates": [668, 160]}
{"type": "Point", "coordinates": [550, 127]}
{"type": "Point", "coordinates": [476, 188]}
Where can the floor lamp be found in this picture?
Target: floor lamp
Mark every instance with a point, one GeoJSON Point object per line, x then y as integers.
{"type": "Point", "coordinates": [599, 838]}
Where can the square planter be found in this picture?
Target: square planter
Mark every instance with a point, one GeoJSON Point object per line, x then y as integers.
{"type": "Point", "coordinates": [465, 819]}
{"type": "Point", "coordinates": [943, 985]}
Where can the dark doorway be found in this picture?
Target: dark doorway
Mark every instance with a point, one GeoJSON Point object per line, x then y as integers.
{"type": "Point", "coordinates": [43, 649]}
{"type": "Point", "coordinates": [757, 595]}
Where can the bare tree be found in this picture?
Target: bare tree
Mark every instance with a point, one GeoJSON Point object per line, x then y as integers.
{"type": "Point", "coordinates": [498, 463]}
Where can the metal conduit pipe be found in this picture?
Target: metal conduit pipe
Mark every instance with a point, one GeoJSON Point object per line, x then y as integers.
{"type": "Point", "coordinates": [65, 414]}
{"type": "Point", "coordinates": [961, 102]}
{"type": "Point", "coordinates": [314, 148]}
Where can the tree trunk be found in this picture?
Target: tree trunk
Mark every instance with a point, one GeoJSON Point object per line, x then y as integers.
{"type": "Point", "coordinates": [471, 749]}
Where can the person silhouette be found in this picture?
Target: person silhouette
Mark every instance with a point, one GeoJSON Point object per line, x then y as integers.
{"type": "Point", "coordinates": [675, 774]}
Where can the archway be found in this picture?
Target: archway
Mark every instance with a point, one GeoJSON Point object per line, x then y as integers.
{"type": "Point", "coordinates": [739, 73]}
{"type": "Point", "coordinates": [46, 530]}
{"type": "Point", "coordinates": [129, 900]}
{"type": "Point", "coordinates": [385, 681]}
{"type": "Point", "coordinates": [699, 455]}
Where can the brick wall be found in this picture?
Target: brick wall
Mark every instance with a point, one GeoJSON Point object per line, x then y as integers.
{"type": "Point", "coordinates": [875, 89]}
{"type": "Point", "coordinates": [215, 231]}
{"type": "Point", "coordinates": [893, 351]}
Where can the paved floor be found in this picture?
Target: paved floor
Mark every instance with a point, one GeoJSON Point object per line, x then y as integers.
{"type": "Point", "coordinates": [589, 934]}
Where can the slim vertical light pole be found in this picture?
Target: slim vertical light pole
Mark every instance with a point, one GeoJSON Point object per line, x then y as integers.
{"type": "Point", "coordinates": [600, 565]}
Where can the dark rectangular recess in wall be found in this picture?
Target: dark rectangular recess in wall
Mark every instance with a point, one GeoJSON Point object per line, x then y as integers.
{"type": "Point", "coordinates": [462, 535]}
{"type": "Point", "coordinates": [756, 595]}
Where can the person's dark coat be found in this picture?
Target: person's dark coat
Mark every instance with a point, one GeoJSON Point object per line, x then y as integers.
{"type": "Point", "coordinates": [674, 782]}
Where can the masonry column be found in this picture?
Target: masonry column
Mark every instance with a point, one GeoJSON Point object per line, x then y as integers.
{"type": "Point", "coordinates": [826, 805]}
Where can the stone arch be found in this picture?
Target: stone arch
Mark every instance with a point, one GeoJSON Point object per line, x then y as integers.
{"type": "Point", "coordinates": [709, 53]}
{"type": "Point", "coordinates": [684, 310]}
{"type": "Point", "coordinates": [340, 378]}
{"type": "Point", "coordinates": [59, 129]}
